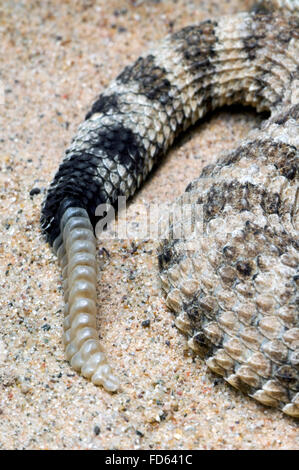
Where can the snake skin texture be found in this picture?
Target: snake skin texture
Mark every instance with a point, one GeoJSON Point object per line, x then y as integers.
{"type": "Point", "coordinates": [232, 282]}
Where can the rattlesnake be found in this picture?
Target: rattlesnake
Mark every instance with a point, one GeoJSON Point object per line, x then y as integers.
{"type": "Point", "coordinates": [233, 290]}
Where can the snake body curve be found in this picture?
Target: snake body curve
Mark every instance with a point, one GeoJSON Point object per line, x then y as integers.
{"type": "Point", "coordinates": [234, 291]}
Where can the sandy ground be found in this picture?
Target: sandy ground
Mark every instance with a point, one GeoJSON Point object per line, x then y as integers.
{"type": "Point", "coordinates": [56, 58]}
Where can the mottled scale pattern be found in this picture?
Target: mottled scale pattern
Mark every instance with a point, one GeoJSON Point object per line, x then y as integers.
{"type": "Point", "coordinates": [233, 283]}
{"type": "Point", "coordinates": [228, 264]}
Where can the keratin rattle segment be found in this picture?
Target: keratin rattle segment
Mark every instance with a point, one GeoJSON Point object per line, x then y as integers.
{"type": "Point", "coordinates": [76, 251]}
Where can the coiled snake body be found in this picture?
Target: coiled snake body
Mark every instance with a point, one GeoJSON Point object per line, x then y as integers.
{"type": "Point", "coordinates": [233, 290]}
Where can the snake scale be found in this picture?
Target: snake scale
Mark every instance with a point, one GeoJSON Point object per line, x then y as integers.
{"type": "Point", "coordinates": [234, 290]}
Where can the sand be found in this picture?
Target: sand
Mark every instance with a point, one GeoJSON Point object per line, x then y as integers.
{"type": "Point", "coordinates": [56, 58]}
